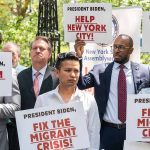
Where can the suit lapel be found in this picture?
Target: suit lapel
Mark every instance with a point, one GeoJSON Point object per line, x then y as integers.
{"type": "Point", "coordinates": [46, 83]}
{"type": "Point", "coordinates": [107, 74]}
{"type": "Point", "coordinates": [30, 81]}
{"type": "Point", "coordinates": [47, 73]}
{"type": "Point", "coordinates": [136, 76]}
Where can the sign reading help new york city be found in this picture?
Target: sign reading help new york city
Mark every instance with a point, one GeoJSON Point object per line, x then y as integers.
{"type": "Point", "coordinates": [138, 117]}
{"type": "Point", "coordinates": [91, 22]}
{"type": "Point", "coordinates": [5, 74]}
{"type": "Point", "coordinates": [61, 127]}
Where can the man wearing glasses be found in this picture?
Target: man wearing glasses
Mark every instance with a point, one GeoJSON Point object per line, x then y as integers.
{"type": "Point", "coordinates": [112, 82]}
{"type": "Point", "coordinates": [68, 71]}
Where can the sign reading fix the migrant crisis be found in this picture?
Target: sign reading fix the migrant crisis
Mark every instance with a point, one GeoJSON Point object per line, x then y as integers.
{"type": "Point", "coordinates": [55, 127]}
{"type": "Point", "coordinates": [90, 22]}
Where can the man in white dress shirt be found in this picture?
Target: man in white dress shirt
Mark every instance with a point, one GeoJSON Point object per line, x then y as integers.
{"type": "Point", "coordinates": [68, 70]}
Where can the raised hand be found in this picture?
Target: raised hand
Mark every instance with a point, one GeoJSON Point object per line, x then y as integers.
{"type": "Point", "coordinates": [79, 47]}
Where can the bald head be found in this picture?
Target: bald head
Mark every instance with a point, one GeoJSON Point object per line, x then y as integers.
{"type": "Point", "coordinates": [15, 50]}
{"type": "Point", "coordinates": [126, 37]}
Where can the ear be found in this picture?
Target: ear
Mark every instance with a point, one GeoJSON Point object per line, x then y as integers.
{"type": "Point", "coordinates": [49, 57]}
{"type": "Point", "coordinates": [56, 72]}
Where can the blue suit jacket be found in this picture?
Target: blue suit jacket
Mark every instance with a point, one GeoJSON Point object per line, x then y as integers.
{"type": "Point", "coordinates": [100, 76]}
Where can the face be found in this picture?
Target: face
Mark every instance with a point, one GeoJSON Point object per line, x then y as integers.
{"type": "Point", "coordinates": [39, 52]}
{"type": "Point", "coordinates": [68, 73]}
{"type": "Point", "coordinates": [122, 50]}
{"type": "Point", "coordinates": [15, 54]}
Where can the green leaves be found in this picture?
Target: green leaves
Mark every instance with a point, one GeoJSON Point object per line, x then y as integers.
{"type": "Point", "coordinates": [19, 24]}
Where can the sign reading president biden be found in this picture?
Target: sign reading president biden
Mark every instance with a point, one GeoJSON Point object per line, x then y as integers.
{"type": "Point", "coordinates": [55, 127]}
{"type": "Point", "coordinates": [91, 22]}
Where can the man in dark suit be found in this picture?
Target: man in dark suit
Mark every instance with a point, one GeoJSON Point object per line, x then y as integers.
{"type": "Point", "coordinates": [104, 78]}
{"type": "Point", "coordinates": [40, 53]}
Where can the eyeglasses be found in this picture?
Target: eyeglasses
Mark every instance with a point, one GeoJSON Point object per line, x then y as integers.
{"type": "Point", "coordinates": [120, 47]}
{"type": "Point", "coordinates": [66, 55]}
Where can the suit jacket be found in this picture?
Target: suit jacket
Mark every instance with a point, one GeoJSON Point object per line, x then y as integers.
{"type": "Point", "coordinates": [8, 106]}
{"type": "Point", "coordinates": [100, 76]}
{"type": "Point", "coordinates": [25, 81]}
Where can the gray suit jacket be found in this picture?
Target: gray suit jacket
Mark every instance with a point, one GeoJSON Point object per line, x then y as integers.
{"type": "Point", "coordinates": [8, 106]}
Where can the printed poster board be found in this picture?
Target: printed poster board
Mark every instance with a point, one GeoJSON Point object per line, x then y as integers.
{"type": "Point", "coordinates": [55, 127]}
{"type": "Point", "coordinates": [91, 22]}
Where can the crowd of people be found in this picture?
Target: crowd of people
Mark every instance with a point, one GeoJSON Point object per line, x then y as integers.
{"type": "Point", "coordinates": [42, 85]}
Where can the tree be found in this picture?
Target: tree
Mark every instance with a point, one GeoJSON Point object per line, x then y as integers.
{"type": "Point", "coordinates": [20, 26]}
{"type": "Point", "coordinates": [18, 22]}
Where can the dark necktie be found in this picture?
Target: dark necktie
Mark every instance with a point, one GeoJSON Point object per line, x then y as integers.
{"type": "Point", "coordinates": [36, 84]}
{"type": "Point", "coordinates": [122, 95]}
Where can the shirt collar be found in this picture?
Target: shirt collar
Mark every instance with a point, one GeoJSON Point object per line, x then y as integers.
{"type": "Point", "coordinates": [77, 93]}
{"type": "Point", "coordinates": [42, 71]}
{"type": "Point", "coordinates": [127, 65]}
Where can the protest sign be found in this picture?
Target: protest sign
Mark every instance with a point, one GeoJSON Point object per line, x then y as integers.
{"type": "Point", "coordinates": [136, 146]}
{"type": "Point", "coordinates": [5, 74]}
{"type": "Point", "coordinates": [90, 22]}
{"type": "Point", "coordinates": [55, 127]}
{"type": "Point", "coordinates": [138, 117]}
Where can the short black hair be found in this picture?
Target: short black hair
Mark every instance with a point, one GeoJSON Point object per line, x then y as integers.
{"type": "Point", "coordinates": [65, 56]}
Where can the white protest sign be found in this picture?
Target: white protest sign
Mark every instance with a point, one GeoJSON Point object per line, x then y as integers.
{"type": "Point", "coordinates": [91, 22]}
{"type": "Point", "coordinates": [146, 32]}
{"type": "Point", "coordinates": [136, 146]}
{"type": "Point", "coordinates": [55, 127]}
{"type": "Point", "coordinates": [5, 74]}
{"type": "Point", "coordinates": [138, 117]}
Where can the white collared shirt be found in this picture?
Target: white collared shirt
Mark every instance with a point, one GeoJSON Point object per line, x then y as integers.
{"type": "Point", "coordinates": [41, 76]}
{"type": "Point", "coordinates": [90, 109]}
{"type": "Point", "coordinates": [111, 114]}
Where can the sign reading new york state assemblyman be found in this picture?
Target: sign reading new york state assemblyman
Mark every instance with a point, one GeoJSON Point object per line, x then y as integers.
{"type": "Point", "coordinates": [61, 127]}
{"type": "Point", "coordinates": [138, 117]}
{"type": "Point", "coordinates": [5, 74]}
